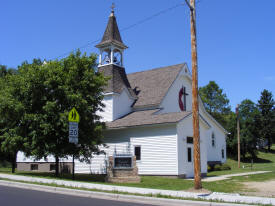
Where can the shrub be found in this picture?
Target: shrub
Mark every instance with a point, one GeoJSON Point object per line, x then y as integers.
{"type": "Point", "coordinates": [217, 168]}
{"type": "Point", "coordinates": [225, 167]}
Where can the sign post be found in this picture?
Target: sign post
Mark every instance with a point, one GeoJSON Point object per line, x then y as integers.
{"type": "Point", "coordinates": [73, 129]}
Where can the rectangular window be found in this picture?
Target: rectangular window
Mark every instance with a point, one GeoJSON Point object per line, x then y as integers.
{"type": "Point", "coordinates": [189, 151]}
{"type": "Point", "coordinates": [138, 152]}
{"type": "Point", "coordinates": [52, 167]}
{"type": "Point", "coordinates": [34, 166]}
{"type": "Point", "coordinates": [189, 140]}
{"type": "Point", "coordinates": [222, 153]}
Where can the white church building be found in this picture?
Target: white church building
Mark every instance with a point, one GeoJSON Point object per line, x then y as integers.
{"type": "Point", "coordinates": [148, 114]}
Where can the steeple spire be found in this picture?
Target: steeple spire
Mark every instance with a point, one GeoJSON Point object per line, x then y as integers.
{"type": "Point", "coordinates": [111, 46]}
{"type": "Point", "coordinates": [112, 34]}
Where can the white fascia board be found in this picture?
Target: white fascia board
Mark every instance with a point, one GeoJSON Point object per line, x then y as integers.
{"type": "Point", "coordinates": [212, 118]}
{"type": "Point", "coordinates": [110, 93]}
{"type": "Point", "coordinates": [202, 120]}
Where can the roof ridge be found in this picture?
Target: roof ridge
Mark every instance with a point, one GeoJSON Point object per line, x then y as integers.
{"type": "Point", "coordinates": [158, 68]}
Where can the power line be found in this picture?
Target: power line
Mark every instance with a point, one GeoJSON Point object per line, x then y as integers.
{"type": "Point", "coordinates": [124, 29]}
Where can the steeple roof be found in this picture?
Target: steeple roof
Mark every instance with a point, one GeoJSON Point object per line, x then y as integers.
{"type": "Point", "coordinates": [111, 34]}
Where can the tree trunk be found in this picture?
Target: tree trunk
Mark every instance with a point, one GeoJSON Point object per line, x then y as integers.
{"type": "Point", "coordinates": [13, 164]}
{"type": "Point", "coordinates": [56, 166]}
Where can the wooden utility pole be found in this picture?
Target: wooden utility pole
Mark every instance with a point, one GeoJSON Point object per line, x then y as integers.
{"type": "Point", "coordinates": [238, 135]}
{"type": "Point", "coordinates": [195, 104]}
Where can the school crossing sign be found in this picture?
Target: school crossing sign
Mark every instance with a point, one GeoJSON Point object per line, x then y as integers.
{"type": "Point", "coordinates": [73, 126]}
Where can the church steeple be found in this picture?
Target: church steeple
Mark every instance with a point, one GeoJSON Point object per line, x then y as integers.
{"type": "Point", "coordinates": [111, 46]}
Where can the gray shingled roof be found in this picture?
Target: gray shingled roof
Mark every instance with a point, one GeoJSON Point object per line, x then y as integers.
{"type": "Point", "coordinates": [118, 79]}
{"type": "Point", "coordinates": [153, 84]}
{"type": "Point", "coordinates": [146, 117]}
{"type": "Point", "coordinates": [111, 34]}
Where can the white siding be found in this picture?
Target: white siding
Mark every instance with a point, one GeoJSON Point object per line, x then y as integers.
{"type": "Point", "coordinates": [158, 149]}
{"type": "Point", "coordinates": [185, 129]}
{"type": "Point", "coordinates": [107, 114]}
{"type": "Point", "coordinates": [116, 106]}
{"type": "Point", "coordinates": [214, 153]}
{"type": "Point", "coordinates": [122, 104]}
{"type": "Point", "coordinates": [170, 103]}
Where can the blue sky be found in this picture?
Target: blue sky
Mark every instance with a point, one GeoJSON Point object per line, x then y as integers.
{"type": "Point", "coordinates": [236, 38]}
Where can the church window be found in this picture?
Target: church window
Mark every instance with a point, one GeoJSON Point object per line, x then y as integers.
{"type": "Point", "coordinates": [222, 153]}
{"type": "Point", "coordinates": [34, 166]}
{"type": "Point", "coordinates": [213, 140]}
{"type": "Point", "coordinates": [189, 140]}
{"type": "Point", "coordinates": [189, 153]}
{"type": "Point", "coordinates": [138, 152]}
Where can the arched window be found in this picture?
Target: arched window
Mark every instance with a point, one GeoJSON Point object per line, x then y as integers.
{"type": "Point", "coordinates": [213, 140]}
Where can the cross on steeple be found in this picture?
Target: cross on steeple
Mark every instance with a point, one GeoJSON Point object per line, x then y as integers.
{"type": "Point", "coordinates": [112, 7]}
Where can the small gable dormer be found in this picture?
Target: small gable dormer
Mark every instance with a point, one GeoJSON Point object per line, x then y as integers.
{"type": "Point", "coordinates": [118, 94]}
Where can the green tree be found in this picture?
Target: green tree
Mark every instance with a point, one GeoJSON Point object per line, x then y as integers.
{"type": "Point", "coordinates": [12, 117]}
{"type": "Point", "coordinates": [215, 101]}
{"type": "Point", "coordinates": [52, 90]}
{"type": "Point", "coordinates": [249, 127]}
{"type": "Point", "coordinates": [267, 117]}
{"type": "Point", "coordinates": [5, 71]}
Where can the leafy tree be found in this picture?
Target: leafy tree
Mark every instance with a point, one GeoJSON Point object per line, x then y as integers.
{"type": "Point", "coordinates": [249, 127]}
{"type": "Point", "coordinates": [215, 101]}
{"type": "Point", "coordinates": [52, 90]}
{"type": "Point", "coordinates": [12, 117]}
{"type": "Point", "coordinates": [267, 117]}
{"type": "Point", "coordinates": [5, 71]}
{"type": "Point", "coordinates": [231, 140]}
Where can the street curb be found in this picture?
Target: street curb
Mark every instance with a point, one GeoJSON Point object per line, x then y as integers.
{"type": "Point", "coordinates": [110, 196]}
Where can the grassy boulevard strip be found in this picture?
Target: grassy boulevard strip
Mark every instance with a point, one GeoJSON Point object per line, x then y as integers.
{"type": "Point", "coordinates": [213, 197]}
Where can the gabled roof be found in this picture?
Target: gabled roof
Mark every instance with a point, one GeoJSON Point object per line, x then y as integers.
{"type": "Point", "coordinates": [111, 34]}
{"type": "Point", "coordinates": [147, 117]}
{"type": "Point", "coordinates": [152, 85]}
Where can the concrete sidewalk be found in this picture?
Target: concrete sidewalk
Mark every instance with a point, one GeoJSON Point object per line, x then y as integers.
{"type": "Point", "coordinates": [227, 197]}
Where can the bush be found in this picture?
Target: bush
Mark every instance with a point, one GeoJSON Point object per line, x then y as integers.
{"type": "Point", "coordinates": [225, 167]}
{"type": "Point", "coordinates": [218, 167]}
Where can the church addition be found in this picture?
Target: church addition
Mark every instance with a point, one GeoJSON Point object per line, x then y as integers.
{"type": "Point", "coordinates": [148, 114]}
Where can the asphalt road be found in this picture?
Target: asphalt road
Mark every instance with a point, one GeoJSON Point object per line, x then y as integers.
{"type": "Point", "coordinates": [11, 196]}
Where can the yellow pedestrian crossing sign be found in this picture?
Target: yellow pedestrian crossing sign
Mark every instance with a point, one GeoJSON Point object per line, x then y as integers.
{"type": "Point", "coordinates": [73, 116]}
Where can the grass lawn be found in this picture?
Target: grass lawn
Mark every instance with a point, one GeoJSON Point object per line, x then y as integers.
{"type": "Point", "coordinates": [265, 161]}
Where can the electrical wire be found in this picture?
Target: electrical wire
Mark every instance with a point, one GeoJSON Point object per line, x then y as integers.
{"type": "Point", "coordinates": [123, 29]}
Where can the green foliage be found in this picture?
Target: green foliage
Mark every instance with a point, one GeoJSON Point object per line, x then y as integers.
{"type": "Point", "coordinates": [266, 106]}
{"type": "Point", "coordinates": [52, 90]}
{"type": "Point", "coordinates": [36, 102]}
{"type": "Point", "coordinates": [4, 71]}
{"type": "Point", "coordinates": [218, 167]}
{"type": "Point", "coordinates": [225, 167]}
{"type": "Point", "coordinates": [249, 126]}
{"type": "Point", "coordinates": [215, 101]}
{"type": "Point", "coordinates": [12, 119]}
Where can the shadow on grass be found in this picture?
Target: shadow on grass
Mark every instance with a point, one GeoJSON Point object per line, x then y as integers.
{"type": "Point", "coordinates": [256, 160]}
{"type": "Point", "coordinates": [78, 177]}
